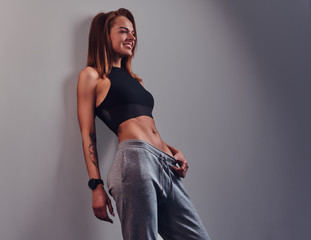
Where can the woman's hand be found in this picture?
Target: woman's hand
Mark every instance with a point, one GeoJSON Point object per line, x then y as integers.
{"type": "Point", "coordinates": [100, 200]}
{"type": "Point", "coordinates": [182, 162]}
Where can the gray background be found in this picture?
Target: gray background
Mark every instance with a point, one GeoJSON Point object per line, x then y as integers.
{"type": "Point", "coordinates": [231, 81]}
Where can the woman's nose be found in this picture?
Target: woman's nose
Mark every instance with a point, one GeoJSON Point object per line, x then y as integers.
{"type": "Point", "coordinates": [132, 36]}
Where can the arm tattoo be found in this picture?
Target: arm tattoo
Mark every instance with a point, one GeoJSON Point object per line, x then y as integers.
{"type": "Point", "coordinates": [92, 149]}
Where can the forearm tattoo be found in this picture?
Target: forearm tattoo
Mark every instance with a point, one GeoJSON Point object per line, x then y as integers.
{"type": "Point", "coordinates": [92, 149]}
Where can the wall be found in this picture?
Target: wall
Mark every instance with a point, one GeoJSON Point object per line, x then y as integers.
{"type": "Point", "coordinates": [231, 84]}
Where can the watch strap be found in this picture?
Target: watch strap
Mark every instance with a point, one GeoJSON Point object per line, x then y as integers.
{"type": "Point", "coordinates": [94, 182]}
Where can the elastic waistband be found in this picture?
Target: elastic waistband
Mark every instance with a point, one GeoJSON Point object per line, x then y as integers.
{"type": "Point", "coordinates": [143, 144]}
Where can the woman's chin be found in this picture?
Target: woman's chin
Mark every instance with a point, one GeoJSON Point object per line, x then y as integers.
{"type": "Point", "coordinates": [128, 54]}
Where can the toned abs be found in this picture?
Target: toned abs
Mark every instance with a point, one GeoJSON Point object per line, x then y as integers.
{"type": "Point", "coordinates": [143, 128]}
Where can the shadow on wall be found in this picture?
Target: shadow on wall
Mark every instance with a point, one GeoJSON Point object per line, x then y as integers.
{"type": "Point", "coordinates": [69, 204]}
{"type": "Point", "coordinates": [277, 37]}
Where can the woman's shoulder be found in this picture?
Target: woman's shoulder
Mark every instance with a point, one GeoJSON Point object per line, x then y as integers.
{"type": "Point", "coordinates": [88, 78]}
{"type": "Point", "coordinates": [89, 73]}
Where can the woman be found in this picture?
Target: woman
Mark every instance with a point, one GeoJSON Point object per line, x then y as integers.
{"type": "Point", "coordinates": [145, 177]}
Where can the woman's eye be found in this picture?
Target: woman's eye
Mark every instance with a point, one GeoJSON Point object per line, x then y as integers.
{"type": "Point", "coordinates": [126, 32]}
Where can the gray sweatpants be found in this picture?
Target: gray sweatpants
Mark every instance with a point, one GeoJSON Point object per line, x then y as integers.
{"type": "Point", "coordinates": [150, 198]}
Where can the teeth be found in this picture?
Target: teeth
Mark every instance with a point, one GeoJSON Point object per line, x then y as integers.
{"type": "Point", "coordinates": [129, 45]}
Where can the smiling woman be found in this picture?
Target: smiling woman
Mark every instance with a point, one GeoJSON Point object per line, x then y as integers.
{"type": "Point", "coordinates": [122, 37]}
{"type": "Point", "coordinates": [145, 177]}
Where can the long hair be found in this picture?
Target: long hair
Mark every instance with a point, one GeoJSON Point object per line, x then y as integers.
{"type": "Point", "coordinates": [100, 52]}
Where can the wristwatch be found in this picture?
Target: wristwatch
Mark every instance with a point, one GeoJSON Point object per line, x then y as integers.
{"type": "Point", "coordinates": [94, 182]}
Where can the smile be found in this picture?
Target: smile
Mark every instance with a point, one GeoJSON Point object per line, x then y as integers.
{"type": "Point", "coordinates": [128, 45]}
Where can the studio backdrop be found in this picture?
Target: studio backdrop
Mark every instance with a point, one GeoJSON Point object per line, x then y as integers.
{"type": "Point", "coordinates": [231, 82]}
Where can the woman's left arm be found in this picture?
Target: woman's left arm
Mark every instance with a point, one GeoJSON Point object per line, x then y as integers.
{"type": "Point", "coordinates": [181, 160]}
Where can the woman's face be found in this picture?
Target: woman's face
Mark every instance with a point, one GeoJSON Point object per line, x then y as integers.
{"type": "Point", "coordinates": [122, 37]}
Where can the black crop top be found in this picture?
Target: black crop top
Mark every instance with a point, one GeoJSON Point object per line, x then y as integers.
{"type": "Point", "coordinates": [126, 98]}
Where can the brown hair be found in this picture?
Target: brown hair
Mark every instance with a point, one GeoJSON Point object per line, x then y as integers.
{"type": "Point", "coordinates": [100, 51]}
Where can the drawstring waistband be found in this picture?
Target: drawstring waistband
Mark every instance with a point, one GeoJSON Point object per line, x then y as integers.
{"type": "Point", "coordinates": [164, 159]}
{"type": "Point", "coordinates": [164, 162]}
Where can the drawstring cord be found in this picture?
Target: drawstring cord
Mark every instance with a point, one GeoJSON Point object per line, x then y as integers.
{"type": "Point", "coordinates": [164, 162]}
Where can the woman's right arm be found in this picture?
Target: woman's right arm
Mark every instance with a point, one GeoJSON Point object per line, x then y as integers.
{"type": "Point", "coordinates": [86, 98]}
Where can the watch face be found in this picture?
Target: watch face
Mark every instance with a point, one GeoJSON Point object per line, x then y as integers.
{"type": "Point", "coordinates": [92, 183]}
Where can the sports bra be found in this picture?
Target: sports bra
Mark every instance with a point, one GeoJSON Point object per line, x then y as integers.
{"type": "Point", "coordinates": [126, 98]}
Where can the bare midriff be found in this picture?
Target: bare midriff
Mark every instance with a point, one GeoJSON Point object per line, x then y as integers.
{"type": "Point", "coordinates": [142, 128]}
